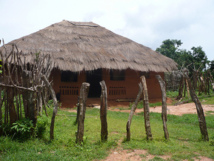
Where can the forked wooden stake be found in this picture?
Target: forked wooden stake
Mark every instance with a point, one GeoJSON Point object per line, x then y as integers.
{"type": "Point", "coordinates": [146, 109]}
{"type": "Point", "coordinates": [134, 106]}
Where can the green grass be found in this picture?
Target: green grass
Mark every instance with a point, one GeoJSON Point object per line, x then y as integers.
{"type": "Point", "coordinates": [140, 105]}
{"type": "Point", "coordinates": [185, 139]}
{"type": "Point", "coordinates": [204, 98]}
{"type": "Point", "coordinates": [207, 100]}
{"type": "Point", "coordinates": [172, 94]}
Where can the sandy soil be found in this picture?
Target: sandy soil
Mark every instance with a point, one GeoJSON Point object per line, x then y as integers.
{"type": "Point", "coordinates": [137, 155]}
{"type": "Point", "coordinates": [188, 108]}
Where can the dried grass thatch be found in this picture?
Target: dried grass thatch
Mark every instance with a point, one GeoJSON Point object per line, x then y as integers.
{"type": "Point", "coordinates": [78, 46]}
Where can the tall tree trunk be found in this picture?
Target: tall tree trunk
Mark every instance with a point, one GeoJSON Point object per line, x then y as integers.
{"type": "Point", "coordinates": [164, 106]}
{"type": "Point", "coordinates": [134, 106]}
{"type": "Point", "coordinates": [103, 112]}
{"type": "Point", "coordinates": [146, 108]}
{"type": "Point", "coordinates": [82, 103]}
{"type": "Point", "coordinates": [200, 112]}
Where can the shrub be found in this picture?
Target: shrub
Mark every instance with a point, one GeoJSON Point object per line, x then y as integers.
{"type": "Point", "coordinates": [22, 129]}
{"type": "Point", "coordinates": [6, 129]}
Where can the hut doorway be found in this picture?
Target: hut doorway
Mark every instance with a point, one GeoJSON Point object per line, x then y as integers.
{"type": "Point", "coordinates": [94, 78]}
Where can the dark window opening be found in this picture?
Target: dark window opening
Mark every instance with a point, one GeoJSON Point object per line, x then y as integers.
{"type": "Point", "coordinates": [68, 76]}
{"type": "Point", "coordinates": [94, 78]}
{"type": "Point", "coordinates": [146, 74]}
{"type": "Point", "coordinates": [117, 75]}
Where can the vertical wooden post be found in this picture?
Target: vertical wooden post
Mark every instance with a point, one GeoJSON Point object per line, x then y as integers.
{"type": "Point", "coordinates": [78, 111]}
{"type": "Point", "coordinates": [146, 109]}
{"type": "Point", "coordinates": [39, 102]}
{"type": "Point", "coordinates": [12, 111]}
{"type": "Point", "coordinates": [6, 111]}
{"type": "Point", "coordinates": [134, 106]}
{"type": "Point", "coordinates": [44, 104]}
{"type": "Point", "coordinates": [20, 105]}
{"type": "Point", "coordinates": [187, 86]}
{"type": "Point", "coordinates": [1, 102]}
{"type": "Point", "coordinates": [200, 111]}
{"type": "Point", "coordinates": [16, 103]}
{"type": "Point", "coordinates": [32, 108]}
{"type": "Point", "coordinates": [103, 112]}
{"type": "Point", "coordinates": [164, 106]}
{"type": "Point", "coordinates": [181, 88]}
{"type": "Point", "coordinates": [195, 76]}
{"type": "Point", "coordinates": [82, 108]}
{"type": "Point", "coordinates": [25, 94]}
{"type": "Point", "coordinates": [207, 83]}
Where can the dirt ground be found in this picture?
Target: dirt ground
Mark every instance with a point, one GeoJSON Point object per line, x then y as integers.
{"type": "Point", "coordinates": [135, 155]}
{"type": "Point", "coordinates": [119, 154]}
{"type": "Point", "coordinates": [188, 108]}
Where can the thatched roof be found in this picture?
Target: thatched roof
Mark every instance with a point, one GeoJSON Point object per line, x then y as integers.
{"type": "Point", "coordinates": [78, 46]}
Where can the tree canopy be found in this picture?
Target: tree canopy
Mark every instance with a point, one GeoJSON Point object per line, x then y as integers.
{"type": "Point", "coordinates": [195, 59]}
{"type": "Point", "coordinates": [212, 67]}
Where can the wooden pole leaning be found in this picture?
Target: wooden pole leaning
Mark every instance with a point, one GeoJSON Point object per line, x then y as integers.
{"type": "Point", "coordinates": [200, 111]}
{"type": "Point", "coordinates": [146, 109]}
{"type": "Point", "coordinates": [164, 106]}
{"type": "Point", "coordinates": [134, 106]}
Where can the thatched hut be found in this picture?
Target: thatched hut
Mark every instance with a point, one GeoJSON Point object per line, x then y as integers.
{"type": "Point", "coordinates": [87, 52]}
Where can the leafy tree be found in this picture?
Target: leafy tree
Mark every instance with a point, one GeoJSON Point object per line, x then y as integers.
{"type": "Point", "coordinates": [184, 59]}
{"type": "Point", "coordinates": [169, 48]}
{"type": "Point", "coordinates": [193, 60]}
{"type": "Point", "coordinates": [199, 58]}
{"type": "Point", "coordinates": [212, 67]}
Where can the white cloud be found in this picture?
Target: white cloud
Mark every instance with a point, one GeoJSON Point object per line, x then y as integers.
{"type": "Point", "coordinates": [147, 22]}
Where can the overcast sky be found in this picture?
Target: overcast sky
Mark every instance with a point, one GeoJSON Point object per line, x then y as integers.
{"type": "Point", "coordinates": [147, 22]}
